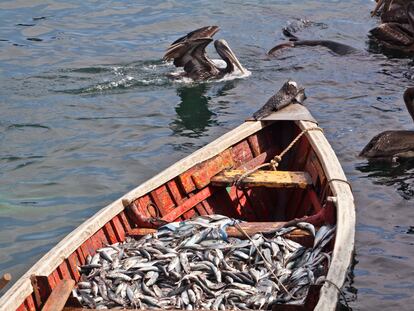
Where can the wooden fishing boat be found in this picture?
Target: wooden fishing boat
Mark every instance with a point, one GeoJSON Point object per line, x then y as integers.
{"type": "Point", "coordinates": [308, 184]}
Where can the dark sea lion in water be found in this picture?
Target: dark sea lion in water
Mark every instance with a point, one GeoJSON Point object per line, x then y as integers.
{"type": "Point", "coordinates": [289, 93]}
{"type": "Point", "coordinates": [390, 145]}
{"type": "Point", "coordinates": [336, 47]}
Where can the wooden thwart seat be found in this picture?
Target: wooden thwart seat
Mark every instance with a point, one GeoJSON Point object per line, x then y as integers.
{"type": "Point", "coordinates": [270, 179]}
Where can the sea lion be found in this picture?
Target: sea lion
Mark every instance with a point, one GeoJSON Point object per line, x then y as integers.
{"type": "Point", "coordinates": [294, 41]}
{"type": "Point", "coordinates": [336, 47]}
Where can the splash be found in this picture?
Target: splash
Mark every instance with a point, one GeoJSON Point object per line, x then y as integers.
{"type": "Point", "coordinates": [236, 74]}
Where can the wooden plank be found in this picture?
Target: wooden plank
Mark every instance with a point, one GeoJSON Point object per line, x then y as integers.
{"type": "Point", "coordinates": [30, 304]}
{"type": "Point", "coordinates": [22, 307]}
{"type": "Point", "coordinates": [188, 204]}
{"type": "Point", "coordinates": [240, 202]}
{"type": "Point", "coordinates": [124, 220]}
{"type": "Point", "coordinates": [5, 279]}
{"type": "Point", "coordinates": [52, 281]}
{"type": "Point", "coordinates": [251, 228]}
{"type": "Point", "coordinates": [314, 200]}
{"type": "Point", "coordinates": [209, 168]}
{"type": "Point", "coordinates": [81, 257]}
{"type": "Point", "coordinates": [73, 263]}
{"type": "Point", "coordinates": [345, 212]}
{"type": "Point", "coordinates": [241, 153]}
{"type": "Point", "coordinates": [186, 181]}
{"type": "Point", "coordinates": [64, 271]}
{"type": "Point", "coordinates": [110, 234]}
{"type": "Point", "coordinates": [163, 199]}
{"type": "Point", "coordinates": [255, 145]}
{"type": "Point", "coordinates": [260, 159]}
{"type": "Point", "coordinates": [59, 296]}
{"type": "Point", "coordinates": [41, 289]}
{"type": "Point", "coordinates": [175, 192]}
{"type": "Point", "coordinates": [270, 179]}
{"type": "Point", "coordinates": [119, 230]}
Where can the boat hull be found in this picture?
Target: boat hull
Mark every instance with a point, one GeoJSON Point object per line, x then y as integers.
{"type": "Point", "coordinates": [185, 190]}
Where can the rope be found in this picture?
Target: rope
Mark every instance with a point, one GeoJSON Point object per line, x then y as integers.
{"type": "Point", "coordinates": [274, 163]}
{"type": "Point", "coordinates": [341, 180]}
{"type": "Point", "coordinates": [341, 292]}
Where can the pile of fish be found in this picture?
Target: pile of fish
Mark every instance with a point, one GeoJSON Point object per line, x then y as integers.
{"type": "Point", "coordinates": [195, 265]}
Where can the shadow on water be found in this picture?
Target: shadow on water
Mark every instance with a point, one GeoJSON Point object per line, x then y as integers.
{"type": "Point", "coordinates": [400, 175]}
{"type": "Point", "coordinates": [193, 115]}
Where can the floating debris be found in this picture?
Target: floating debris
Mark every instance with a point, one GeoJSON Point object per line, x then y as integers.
{"type": "Point", "coordinates": [194, 264]}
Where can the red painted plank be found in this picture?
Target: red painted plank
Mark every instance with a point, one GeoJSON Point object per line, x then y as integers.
{"type": "Point", "coordinates": [101, 238]}
{"type": "Point", "coordinates": [143, 204]}
{"type": "Point", "coordinates": [119, 230]}
{"type": "Point", "coordinates": [200, 209]}
{"type": "Point", "coordinates": [63, 270]}
{"type": "Point", "coordinates": [207, 169]}
{"type": "Point", "coordinates": [241, 153]}
{"type": "Point", "coordinates": [163, 199]}
{"type": "Point", "coordinates": [314, 200]}
{"type": "Point", "coordinates": [22, 307]}
{"type": "Point", "coordinates": [81, 257]}
{"type": "Point", "coordinates": [74, 263]}
{"type": "Point", "coordinates": [186, 181]}
{"type": "Point", "coordinates": [241, 203]}
{"type": "Point", "coordinates": [85, 250]}
{"type": "Point", "coordinates": [222, 203]}
{"type": "Point", "coordinates": [41, 289]}
{"type": "Point", "coordinates": [52, 281]}
{"type": "Point", "coordinates": [110, 234]}
{"type": "Point", "coordinates": [29, 303]}
{"type": "Point", "coordinates": [207, 207]}
{"type": "Point", "coordinates": [57, 299]}
{"type": "Point", "coordinates": [55, 276]}
{"type": "Point", "coordinates": [175, 192]}
{"type": "Point", "coordinates": [124, 221]}
{"type": "Point", "coordinates": [188, 204]}
{"type": "Point", "coordinates": [254, 144]}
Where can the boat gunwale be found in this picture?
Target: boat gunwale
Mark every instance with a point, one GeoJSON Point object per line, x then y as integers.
{"type": "Point", "coordinates": [48, 263]}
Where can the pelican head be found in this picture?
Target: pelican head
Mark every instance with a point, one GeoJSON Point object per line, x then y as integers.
{"type": "Point", "coordinates": [225, 52]}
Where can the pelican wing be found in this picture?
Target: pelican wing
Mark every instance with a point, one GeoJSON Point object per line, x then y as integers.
{"type": "Point", "coordinates": [192, 56]}
{"type": "Point", "coordinates": [182, 49]}
{"type": "Point", "coordinates": [203, 32]}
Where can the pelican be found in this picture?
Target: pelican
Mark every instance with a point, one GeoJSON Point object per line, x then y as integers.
{"type": "Point", "coordinates": [189, 52]}
{"type": "Point", "coordinates": [393, 144]}
{"type": "Point", "coordinates": [397, 36]}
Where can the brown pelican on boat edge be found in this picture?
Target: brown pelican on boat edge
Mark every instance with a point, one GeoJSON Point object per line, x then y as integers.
{"type": "Point", "coordinates": [189, 52]}
{"type": "Point", "coordinates": [393, 144]}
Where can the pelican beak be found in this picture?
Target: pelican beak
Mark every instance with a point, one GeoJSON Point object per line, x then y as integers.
{"type": "Point", "coordinates": [224, 50]}
{"type": "Point", "coordinates": [377, 7]}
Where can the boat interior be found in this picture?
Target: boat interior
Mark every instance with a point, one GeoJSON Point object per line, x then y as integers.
{"type": "Point", "coordinates": [265, 198]}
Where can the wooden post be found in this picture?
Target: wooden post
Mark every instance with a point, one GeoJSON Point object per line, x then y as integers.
{"type": "Point", "coordinates": [4, 280]}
